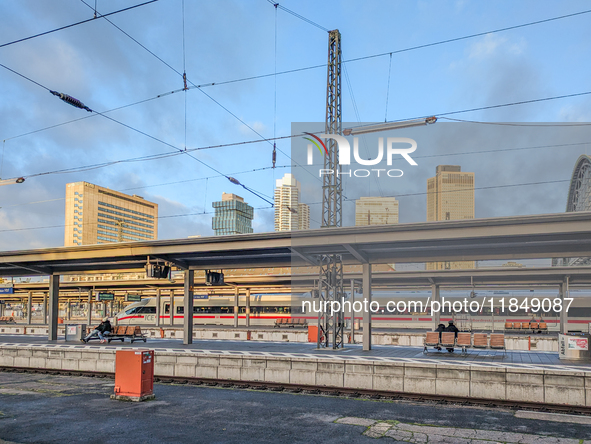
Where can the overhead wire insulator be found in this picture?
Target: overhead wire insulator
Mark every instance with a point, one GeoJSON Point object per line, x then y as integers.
{"type": "Point", "coordinates": [274, 154]}
{"type": "Point", "coordinates": [71, 100]}
{"type": "Point", "coordinates": [185, 81]}
{"type": "Point", "coordinates": [234, 181]}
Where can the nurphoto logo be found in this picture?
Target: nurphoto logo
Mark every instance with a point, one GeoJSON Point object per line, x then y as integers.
{"type": "Point", "coordinates": [344, 155]}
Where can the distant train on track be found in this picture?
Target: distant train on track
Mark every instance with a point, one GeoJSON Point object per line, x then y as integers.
{"type": "Point", "coordinates": [397, 309]}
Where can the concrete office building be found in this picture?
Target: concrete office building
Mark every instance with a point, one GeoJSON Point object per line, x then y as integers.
{"type": "Point", "coordinates": [450, 196]}
{"type": "Point", "coordinates": [232, 215]}
{"type": "Point", "coordinates": [97, 215]}
{"type": "Point", "coordinates": [290, 214]}
{"type": "Point", "coordinates": [376, 211]}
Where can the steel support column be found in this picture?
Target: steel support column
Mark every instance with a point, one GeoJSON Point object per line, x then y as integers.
{"type": "Point", "coordinates": [352, 326]}
{"type": "Point", "coordinates": [89, 311]}
{"type": "Point", "coordinates": [236, 305]}
{"type": "Point", "coordinates": [564, 293]}
{"type": "Point", "coordinates": [29, 307]}
{"type": "Point", "coordinates": [171, 308]}
{"type": "Point", "coordinates": [330, 283]}
{"type": "Point", "coordinates": [366, 307]}
{"type": "Point", "coordinates": [44, 308]}
{"type": "Point", "coordinates": [332, 188]}
{"type": "Point", "coordinates": [188, 303]}
{"type": "Point", "coordinates": [435, 297]}
{"type": "Point", "coordinates": [54, 294]}
{"type": "Point", "coordinates": [158, 300]}
{"type": "Point", "coordinates": [330, 288]}
{"type": "Point", "coordinates": [247, 308]}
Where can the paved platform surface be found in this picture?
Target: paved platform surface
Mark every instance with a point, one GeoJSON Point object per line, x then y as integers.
{"type": "Point", "coordinates": [529, 359]}
{"type": "Point", "coordinates": [56, 409]}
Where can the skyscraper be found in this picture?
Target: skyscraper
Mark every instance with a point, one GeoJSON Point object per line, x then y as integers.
{"type": "Point", "coordinates": [290, 214]}
{"type": "Point", "coordinates": [232, 215]}
{"type": "Point", "coordinates": [376, 211]}
{"type": "Point", "coordinates": [97, 215]}
{"type": "Point", "coordinates": [450, 196]}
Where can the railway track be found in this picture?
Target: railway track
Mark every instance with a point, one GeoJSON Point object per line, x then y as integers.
{"type": "Point", "coordinates": [332, 391]}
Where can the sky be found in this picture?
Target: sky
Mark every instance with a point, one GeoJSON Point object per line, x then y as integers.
{"type": "Point", "coordinates": [133, 65]}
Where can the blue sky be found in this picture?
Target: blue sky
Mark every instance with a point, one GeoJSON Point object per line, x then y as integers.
{"type": "Point", "coordinates": [225, 40]}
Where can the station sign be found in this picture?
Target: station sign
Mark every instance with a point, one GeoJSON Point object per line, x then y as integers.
{"type": "Point", "coordinates": [6, 289]}
{"type": "Point", "coordinates": [105, 297]}
{"type": "Point", "coordinates": [200, 296]}
{"type": "Point", "coordinates": [133, 297]}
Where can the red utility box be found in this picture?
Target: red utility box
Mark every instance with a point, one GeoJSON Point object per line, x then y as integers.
{"type": "Point", "coordinates": [134, 375]}
{"type": "Point", "coordinates": [313, 334]}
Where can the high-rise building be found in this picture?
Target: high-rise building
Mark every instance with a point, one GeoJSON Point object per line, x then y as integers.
{"type": "Point", "coordinates": [232, 215]}
{"type": "Point", "coordinates": [97, 215]}
{"type": "Point", "coordinates": [376, 211]}
{"type": "Point", "coordinates": [290, 214]}
{"type": "Point", "coordinates": [450, 196]}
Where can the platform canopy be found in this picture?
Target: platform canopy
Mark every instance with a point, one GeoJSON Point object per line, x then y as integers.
{"type": "Point", "coordinates": [523, 237]}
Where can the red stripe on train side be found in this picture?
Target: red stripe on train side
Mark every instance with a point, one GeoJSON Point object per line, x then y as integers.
{"type": "Point", "coordinates": [131, 317]}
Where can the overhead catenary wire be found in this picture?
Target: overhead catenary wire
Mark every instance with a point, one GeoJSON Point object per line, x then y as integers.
{"type": "Point", "coordinates": [138, 131]}
{"type": "Point", "coordinates": [398, 51]}
{"type": "Point", "coordinates": [210, 84]}
{"type": "Point", "coordinates": [512, 149]}
{"type": "Point", "coordinates": [185, 79]}
{"type": "Point", "coordinates": [388, 89]}
{"type": "Point", "coordinates": [356, 110]}
{"type": "Point", "coordinates": [76, 24]}
{"type": "Point", "coordinates": [295, 14]}
{"type": "Point", "coordinates": [275, 138]}
{"type": "Point", "coordinates": [527, 124]}
{"type": "Point", "coordinates": [143, 187]}
{"type": "Point", "coordinates": [235, 143]}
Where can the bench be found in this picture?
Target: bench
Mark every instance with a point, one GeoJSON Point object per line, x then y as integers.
{"type": "Point", "coordinates": [464, 340]}
{"type": "Point", "coordinates": [7, 320]}
{"type": "Point", "coordinates": [134, 333]}
{"type": "Point", "coordinates": [527, 326]}
{"type": "Point", "coordinates": [121, 332]}
{"type": "Point", "coordinates": [444, 340]}
{"type": "Point", "coordinates": [497, 342]}
{"type": "Point", "coordinates": [290, 322]}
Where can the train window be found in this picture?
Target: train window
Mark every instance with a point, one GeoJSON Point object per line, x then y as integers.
{"type": "Point", "coordinates": [180, 310]}
{"type": "Point", "coordinates": [146, 310]}
{"type": "Point", "coordinates": [132, 310]}
{"type": "Point", "coordinates": [579, 312]}
{"type": "Point", "coordinates": [166, 308]}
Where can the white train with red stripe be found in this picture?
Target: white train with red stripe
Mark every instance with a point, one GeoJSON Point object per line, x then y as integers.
{"type": "Point", "coordinates": [210, 310]}
{"type": "Point", "coordinates": [265, 309]}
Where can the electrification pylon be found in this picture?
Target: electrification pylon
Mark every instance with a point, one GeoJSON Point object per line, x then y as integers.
{"type": "Point", "coordinates": [330, 282]}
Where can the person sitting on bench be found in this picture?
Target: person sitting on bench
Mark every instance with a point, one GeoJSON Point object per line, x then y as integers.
{"type": "Point", "coordinates": [440, 328]}
{"type": "Point", "coordinates": [452, 328]}
{"type": "Point", "coordinates": [103, 329]}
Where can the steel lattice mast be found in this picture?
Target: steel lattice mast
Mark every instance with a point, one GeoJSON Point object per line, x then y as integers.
{"type": "Point", "coordinates": [330, 282]}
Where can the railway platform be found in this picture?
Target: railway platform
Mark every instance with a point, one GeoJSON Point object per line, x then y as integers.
{"type": "Point", "coordinates": [531, 377]}
{"type": "Point", "coordinates": [380, 336]}
{"type": "Point", "coordinates": [538, 359]}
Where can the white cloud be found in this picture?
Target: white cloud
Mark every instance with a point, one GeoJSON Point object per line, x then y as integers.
{"type": "Point", "coordinates": [574, 113]}
{"type": "Point", "coordinates": [259, 127]}
{"type": "Point", "coordinates": [492, 44]}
